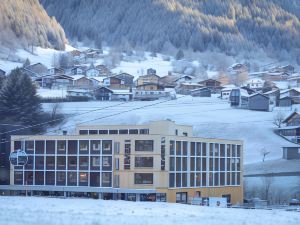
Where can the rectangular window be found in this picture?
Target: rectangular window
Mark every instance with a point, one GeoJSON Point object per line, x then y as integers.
{"type": "Point", "coordinates": [72, 179]}
{"type": "Point", "coordinates": [238, 151]}
{"type": "Point", "coordinates": [203, 180]}
{"type": "Point", "coordinates": [144, 131]}
{"type": "Point", "coordinates": [192, 179]}
{"type": "Point", "coordinates": [178, 147]}
{"type": "Point", "coordinates": [172, 163]}
{"type": "Point", "coordinates": [181, 197]}
{"type": "Point", "coordinates": [222, 150]}
{"type": "Point", "coordinates": [228, 151]}
{"type": "Point", "coordinates": [117, 163]}
{"type": "Point", "coordinates": [95, 147]}
{"type": "Point", "coordinates": [95, 162]}
{"type": "Point", "coordinates": [198, 179]}
{"type": "Point", "coordinates": [184, 180]}
{"type": "Point", "coordinates": [106, 179]}
{"type": "Point", "coordinates": [106, 163]}
{"type": "Point", "coordinates": [184, 147]}
{"type": "Point", "coordinates": [222, 179]}
{"type": "Point", "coordinates": [72, 163]}
{"type": "Point", "coordinates": [50, 147]}
{"type": "Point", "coordinates": [203, 164]}
{"type": "Point", "coordinates": [184, 164]}
{"type": "Point", "coordinates": [29, 146]}
{"type": "Point", "coordinates": [204, 152]}
{"type": "Point", "coordinates": [171, 180]}
{"type": "Point", "coordinates": [113, 131]}
{"type": "Point", "coordinates": [198, 164]}
{"type": "Point", "coordinates": [39, 162]}
{"type": "Point", "coordinates": [146, 162]}
{"type": "Point", "coordinates": [83, 132]}
{"type": "Point", "coordinates": [61, 147]}
{"type": "Point", "coordinates": [61, 163]}
{"type": "Point", "coordinates": [93, 132]}
{"type": "Point", "coordinates": [127, 156]}
{"type": "Point", "coordinates": [178, 179]}
{"type": "Point", "coordinates": [61, 178]}
{"type": "Point", "coordinates": [198, 149]}
{"type": "Point", "coordinates": [103, 131]}
{"type": "Point", "coordinates": [143, 178]}
{"type": "Point", "coordinates": [192, 163]}
{"type": "Point", "coordinates": [133, 131]}
{"type": "Point", "coordinates": [50, 178]}
{"type": "Point", "coordinates": [83, 179]}
{"type": "Point", "coordinates": [39, 178]}
{"type": "Point", "coordinates": [193, 149]}
{"type": "Point", "coordinates": [39, 147]}
{"type": "Point", "coordinates": [107, 147]}
{"type": "Point", "coordinates": [123, 131]}
{"type": "Point", "coordinates": [178, 163]}
{"type": "Point", "coordinates": [83, 146]}
{"type": "Point", "coordinates": [172, 148]}
{"type": "Point", "coordinates": [28, 179]}
{"type": "Point", "coordinates": [72, 147]}
{"type": "Point", "coordinates": [83, 162]}
{"type": "Point", "coordinates": [95, 179]}
{"type": "Point", "coordinates": [50, 163]}
{"type": "Point", "coordinates": [144, 145]}
{"type": "Point", "coordinates": [18, 178]}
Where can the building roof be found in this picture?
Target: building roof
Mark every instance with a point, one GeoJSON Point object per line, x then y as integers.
{"type": "Point", "coordinates": [290, 117]}
{"type": "Point", "coordinates": [271, 92]}
{"type": "Point", "coordinates": [250, 96]}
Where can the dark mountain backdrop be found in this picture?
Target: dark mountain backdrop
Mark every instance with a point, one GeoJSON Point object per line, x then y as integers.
{"type": "Point", "coordinates": [230, 26]}
{"type": "Point", "coordinates": [25, 22]}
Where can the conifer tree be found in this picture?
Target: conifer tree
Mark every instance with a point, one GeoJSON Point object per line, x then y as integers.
{"type": "Point", "coordinates": [19, 100]}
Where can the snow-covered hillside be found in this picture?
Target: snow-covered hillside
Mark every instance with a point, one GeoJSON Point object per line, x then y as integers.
{"type": "Point", "coordinates": [211, 117]}
{"type": "Point", "coordinates": [46, 211]}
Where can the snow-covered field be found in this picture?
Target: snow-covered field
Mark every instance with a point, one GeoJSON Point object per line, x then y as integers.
{"type": "Point", "coordinates": [211, 117]}
{"type": "Point", "coordinates": [52, 211]}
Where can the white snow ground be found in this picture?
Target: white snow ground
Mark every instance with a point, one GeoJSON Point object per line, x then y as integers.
{"type": "Point", "coordinates": [46, 211]}
{"type": "Point", "coordinates": [211, 117]}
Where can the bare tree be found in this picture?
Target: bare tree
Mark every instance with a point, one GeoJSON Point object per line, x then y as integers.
{"type": "Point", "coordinates": [267, 184]}
{"type": "Point", "coordinates": [264, 152]}
{"type": "Point", "coordinates": [278, 119]}
{"type": "Point", "coordinates": [56, 107]}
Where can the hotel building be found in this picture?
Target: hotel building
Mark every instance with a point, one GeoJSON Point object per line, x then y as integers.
{"type": "Point", "coordinates": [158, 161]}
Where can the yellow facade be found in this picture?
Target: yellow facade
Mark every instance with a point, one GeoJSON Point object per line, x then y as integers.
{"type": "Point", "coordinates": [158, 131]}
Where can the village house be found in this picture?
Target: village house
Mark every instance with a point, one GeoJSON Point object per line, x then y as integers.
{"type": "Point", "coordinates": [78, 70]}
{"type": "Point", "coordinates": [82, 82]}
{"type": "Point", "coordinates": [148, 79]}
{"type": "Point", "coordinates": [35, 70]}
{"type": "Point", "coordinates": [239, 98]}
{"type": "Point", "coordinates": [255, 84]}
{"type": "Point", "coordinates": [294, 80]}
{"type": "Point", "coordinates": [258, 102]}
{"type": "Point", "coordinates": [285, 102]}
{"type": "Point", "coordinates": [237, 68]}
{"type": "Point", "coordinates": [152, 92]}
{"type": "Point", "coordinates": [168, 81]}
{"type": "Point", "coordinates": [293, 93]}
{"type": "Point", "coordinates": [274, 96]}
{"type": "Point", "coordinates": [55, 70]}
{"type": "Point", "coordinates": [126, 78]}
{"type": "Point", "coordinates": [104, 71]}
{"type": "Point", "coordinates": [97, 81]}
{"type": "Point", "coordinates": [291, 153]}
{"type": "Point", "coordinates": [107, 94]}
{"type": "Point", "coordinates": [290, 128]}
{"type": "Point", "coordinates": [289, 69]}
{"type": "Point", "coordinates": [212, 84]}
{"type": "Point", "coordinates": [186, 87]}
{"type": "Point", "coordinates": [92, 71]}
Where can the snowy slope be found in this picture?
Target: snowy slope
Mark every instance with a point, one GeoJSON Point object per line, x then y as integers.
{"type": "Point", "coordinates": [46, 211]}
{"type": "Point", "coordinates": [211, 117]}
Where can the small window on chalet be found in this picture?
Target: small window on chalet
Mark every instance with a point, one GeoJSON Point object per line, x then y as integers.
{"type": "Point", "coordinates": [83, 132]}
{"type": "Point", "coordinates": [185, 134]}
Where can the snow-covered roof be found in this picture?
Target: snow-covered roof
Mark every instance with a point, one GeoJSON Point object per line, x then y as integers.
{"type": "Point", "coordinates": [254, 80]}
{"type": "Point", "coordinates": [281, 84]}
{"type": "Point", "coordinates": [270, 92]}
{"type": "Point", "coordinates": [77, 77]}
{"type": "Point", "coordinates": [100, 79]}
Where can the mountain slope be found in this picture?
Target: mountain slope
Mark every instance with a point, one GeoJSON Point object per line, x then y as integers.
{"type": "Point", "coordinates": [25, 22]}
{"type": "Point", "coordinates": [231, 26]}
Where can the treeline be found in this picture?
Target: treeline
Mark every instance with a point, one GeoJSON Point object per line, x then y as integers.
{"type": "Point", "coordinates": [26, 23]}
{"type": "Point", "coordinates": [231, 26]}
